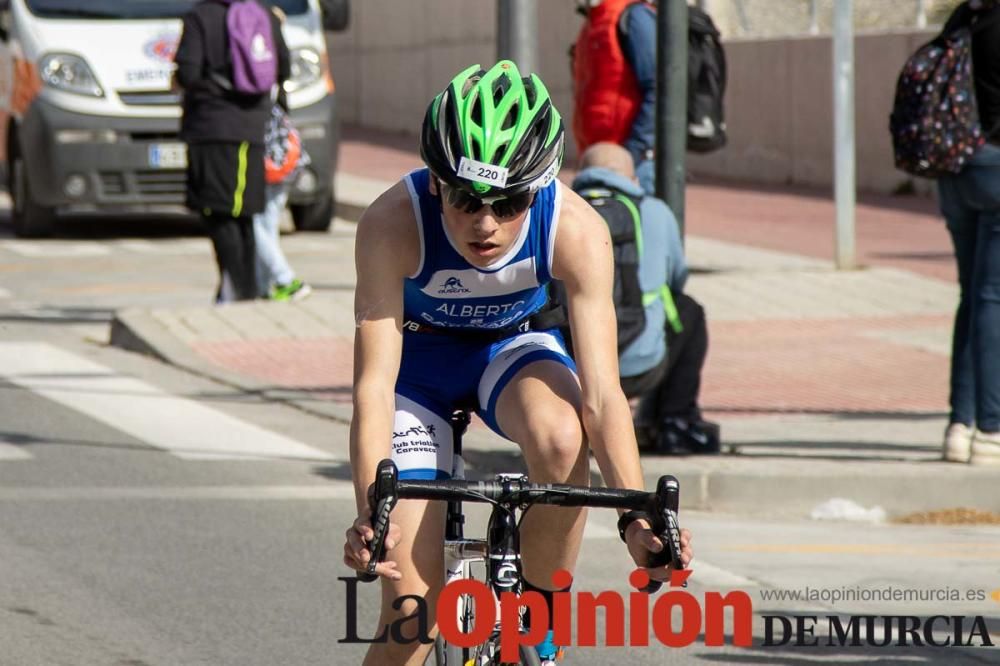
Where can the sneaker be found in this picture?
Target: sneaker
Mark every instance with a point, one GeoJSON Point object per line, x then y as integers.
{"type": "Point", "coordinates": [295, 290]}
{"type": "Point", "coordinates": [957, 443]}
{"type": "Point", "coordinates": [685, 437]}
{"type": "Point", "coordinates": [548, 652]}
{"type": "Point", "coordinates": [552, 662]}
{"type": "Point", "coordinates": [985, 448]}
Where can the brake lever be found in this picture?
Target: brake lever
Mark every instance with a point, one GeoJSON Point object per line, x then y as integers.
{"type": "Point", "coordinates": [667, 528]}
{"type": "Point", "coordinates": [382, 497]}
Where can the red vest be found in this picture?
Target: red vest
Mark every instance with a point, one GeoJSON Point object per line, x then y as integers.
{"type": "Point", "coordinates": [606, 93]}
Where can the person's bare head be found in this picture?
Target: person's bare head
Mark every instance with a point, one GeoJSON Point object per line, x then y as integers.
{"type": "Point", "coordinates": [609, 156]}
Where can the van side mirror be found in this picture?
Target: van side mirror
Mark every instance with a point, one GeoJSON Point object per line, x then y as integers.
{"type": "Point", "coordinates": [336, 14]}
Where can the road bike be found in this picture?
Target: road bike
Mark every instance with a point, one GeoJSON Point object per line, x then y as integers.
{"type": "Point", "coordinates": [499, 552]}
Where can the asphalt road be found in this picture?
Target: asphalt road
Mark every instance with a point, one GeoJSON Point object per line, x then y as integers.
{"type": "Point", "coordinates": [149, 517]}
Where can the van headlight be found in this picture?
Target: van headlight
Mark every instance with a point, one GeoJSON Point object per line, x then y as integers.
{"type": "Point", "coordinates": [71, 73]}
{"type": "Point", "coordinates": [306, 69]}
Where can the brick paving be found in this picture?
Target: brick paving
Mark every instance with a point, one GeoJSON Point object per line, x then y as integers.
{"type": "Point", "coordinates": [323, 366]}
{"type": "Point", "coordinates": [899, 232]}
{"type": "Point", "coordinates": [776, 367]}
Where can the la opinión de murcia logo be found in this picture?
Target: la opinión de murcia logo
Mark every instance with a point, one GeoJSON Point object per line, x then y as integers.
{"type": "Point", "coordinates": [703, 616]}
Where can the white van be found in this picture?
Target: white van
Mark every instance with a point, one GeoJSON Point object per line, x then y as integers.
{"type": "Point", "coordinates": [88, 122]}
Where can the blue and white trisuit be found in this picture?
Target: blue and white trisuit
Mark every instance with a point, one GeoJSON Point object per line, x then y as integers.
{"type": "Point", "coordinates": [441, 371]}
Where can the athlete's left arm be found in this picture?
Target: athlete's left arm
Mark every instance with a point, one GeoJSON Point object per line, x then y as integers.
{"type": "Point", "coordinates": [583, 260]}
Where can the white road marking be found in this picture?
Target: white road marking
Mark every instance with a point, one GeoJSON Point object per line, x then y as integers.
{"type": "Point", "coordinates": [335, 490]}
{"type": "Point", "coordinates": [12, 452]}
{"type": "Point", "coordinates": [704, 573]}
{"type": "Point", "coordinates": [183, 247]}
{"type": "Point", "coordinates": [55, 249]}
{"type": "Point", "coordinates": [181, 426]}
{"type": "Point", "coordinates": [712, 576]}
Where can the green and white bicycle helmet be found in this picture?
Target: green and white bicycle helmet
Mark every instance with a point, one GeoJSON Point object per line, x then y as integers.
{"type": "Point", "coordinates": [493, 133]}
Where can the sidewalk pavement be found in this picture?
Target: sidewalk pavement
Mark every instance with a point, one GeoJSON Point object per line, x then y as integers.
{"type": "Point", "coordinates": [827, 383]}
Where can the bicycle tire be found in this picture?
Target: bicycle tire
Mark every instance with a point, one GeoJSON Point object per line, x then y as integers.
{"type": "Point", "coordinates": [446, 654]}
{"type": "Point", "coordinates": [529, 656]}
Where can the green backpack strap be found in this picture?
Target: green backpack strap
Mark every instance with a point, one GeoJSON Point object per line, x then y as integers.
{"type": "Point", "coordinates": [669, 307]}
{"type": "Point", "coordinates": [636, 220]}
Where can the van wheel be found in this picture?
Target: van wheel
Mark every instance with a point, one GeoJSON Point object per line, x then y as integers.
{"type": "Point", "coordinates": [30, 220]}
{"type": "Point", "coordinates": [315, 216]}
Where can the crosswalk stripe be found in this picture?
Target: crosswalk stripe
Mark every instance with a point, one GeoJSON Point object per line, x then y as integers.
{"type": "Point", "coordinates": [11, 452]}
{"type": "Point", "coordinates": [181, 426]}
{"type": "Point", "coordinates": [56, 249]}
{"type": "Point", "coordinates": [336, 490]}
{"type": "Point", "coordinates": [165, 248]}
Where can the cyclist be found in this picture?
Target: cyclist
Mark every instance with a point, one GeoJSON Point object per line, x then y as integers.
{"type": "Point", "coordinates": [452, 267]}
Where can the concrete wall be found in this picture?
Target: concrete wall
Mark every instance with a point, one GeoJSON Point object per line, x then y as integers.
{"type": "Point", "coordinates": [779, 111]}
{"type": "Point", "coordinates": [397, 55]}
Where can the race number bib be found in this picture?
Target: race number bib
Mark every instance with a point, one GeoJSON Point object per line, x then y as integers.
{"type": "Point", "coordinates": [480, 172]}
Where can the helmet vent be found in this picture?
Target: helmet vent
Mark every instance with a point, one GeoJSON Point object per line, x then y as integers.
{"type": "Point", "coordinates": [510, 118]}
{"type": "Point", "coordinates": [530, 94]}
{"type": "Point", "coordinates": [476, 112]}
{"type": "Point", "coordinates": [500, 89]}
{"type": "Point", "coordinates": [469, 83]}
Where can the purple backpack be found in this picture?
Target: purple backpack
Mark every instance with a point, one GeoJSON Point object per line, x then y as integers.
{"type": "Point", "coordinates": [251, 45]}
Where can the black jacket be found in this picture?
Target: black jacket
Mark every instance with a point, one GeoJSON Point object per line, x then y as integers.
{"type": "Point", "coordinates": [986, 71]}
{"type": "Point", "coordinates": [212, 114]}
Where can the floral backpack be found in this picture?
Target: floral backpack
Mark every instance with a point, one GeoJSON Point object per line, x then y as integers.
{"type": "Point", "coordinates": [935, 121]}
{"type": "Point", "coordinates": [284, 154]}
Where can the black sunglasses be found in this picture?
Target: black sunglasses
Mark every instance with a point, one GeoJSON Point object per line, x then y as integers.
{"type": "Point", "coordinates": [504, 207]}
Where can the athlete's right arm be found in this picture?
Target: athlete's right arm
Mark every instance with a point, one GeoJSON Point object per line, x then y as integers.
{"type": "Point", "coordinates": [386, 251]}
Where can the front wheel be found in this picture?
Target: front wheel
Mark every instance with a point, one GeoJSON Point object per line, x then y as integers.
{"type": "Point", "coordinates": [529, 656]}
{"type": "Point", "coordinates": [315, 216]}
{"type": "Point", "coordinates": [446, 654]}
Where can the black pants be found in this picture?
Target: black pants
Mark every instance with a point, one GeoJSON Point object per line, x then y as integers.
{"type": "Point", "coordinates": [225, 183]}
{"type": "Point", "coordinates": [671, 388]}
{"type": "Point", "coordinates": [235, 253]}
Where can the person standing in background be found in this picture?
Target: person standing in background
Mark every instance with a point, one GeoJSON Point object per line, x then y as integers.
{"type": "Point", "coordinates": [284, 157]}
{"type": "Point", "coordinates": [663, 364]}
{"type": "Point", "coordinates": [970, 203]}
{"type": "Point", "coordinates": [224, 129]}
{"type": "Point", "coordinates": [614, 80]}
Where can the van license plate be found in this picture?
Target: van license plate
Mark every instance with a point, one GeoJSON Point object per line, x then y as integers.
{"type": "Point", "coordinates": [168, 156]}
